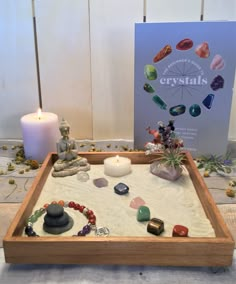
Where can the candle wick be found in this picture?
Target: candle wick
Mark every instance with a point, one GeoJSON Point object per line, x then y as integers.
{"type": "Point", "coordinates": [117, 159]}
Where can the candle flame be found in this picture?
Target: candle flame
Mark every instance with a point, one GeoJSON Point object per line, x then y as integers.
{"type": "Point", "coordinates": [39, 113]}
{"type": "Point", "coordinates": [117, 159]}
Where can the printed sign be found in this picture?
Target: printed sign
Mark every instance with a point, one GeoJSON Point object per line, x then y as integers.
{"type": "Point", "coordinates": [185, 72]}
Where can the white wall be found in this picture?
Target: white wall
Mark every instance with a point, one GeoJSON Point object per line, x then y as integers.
{"type": "Point", "coordinates": [86, 52]}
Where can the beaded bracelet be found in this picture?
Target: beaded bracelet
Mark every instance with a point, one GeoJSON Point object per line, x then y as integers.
{"type": "Point", "coordinates": [91, 225]}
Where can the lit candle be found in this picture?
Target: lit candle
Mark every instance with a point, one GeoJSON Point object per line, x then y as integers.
{"type": "Point", "coordinates": [40, 134]}
{"type": "Point", "coordinates": [117, 166]}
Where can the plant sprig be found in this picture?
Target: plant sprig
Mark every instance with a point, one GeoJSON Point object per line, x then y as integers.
{"type": "Point", "coordinates": [214, 163]}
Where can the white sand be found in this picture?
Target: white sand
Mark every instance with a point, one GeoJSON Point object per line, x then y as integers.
{"type": "Point", "coordinates": [172, 202]}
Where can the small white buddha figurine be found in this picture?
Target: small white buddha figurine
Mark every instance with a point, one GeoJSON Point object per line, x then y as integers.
{"type": "Point", "coordinates": [66, 147]}
{"type": "Point", "coordinates": [69, 162]}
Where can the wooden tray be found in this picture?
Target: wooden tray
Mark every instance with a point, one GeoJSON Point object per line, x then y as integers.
{"type": "Point", "coordinates": [165, 251]}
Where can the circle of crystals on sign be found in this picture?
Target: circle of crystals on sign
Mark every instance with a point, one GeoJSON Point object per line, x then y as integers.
{"type": "Point", "coordinates": [102, 232]}
{"type": "Point", "coordinates": [83, 176]}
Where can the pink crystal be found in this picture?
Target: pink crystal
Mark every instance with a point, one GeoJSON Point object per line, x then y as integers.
{"type": "Point", "coordinates": [137, 202]}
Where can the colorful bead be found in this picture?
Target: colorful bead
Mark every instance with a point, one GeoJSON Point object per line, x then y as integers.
{"type": "Point", "coordinates": [33, 218]}
{"type": "Point", "coordinates": [37, 213]}
{"type": "Point", "coordinates": [81, 234]}
{"type": "Point", "coordinates": [61, 202]}
{"type": "Point", "coordinates": [71, 204]}
{"type": "Point", "coordinates": [86, 229]}
{"type": "Point", "coordinates": [81, 208]}
{"type": "Point", "coordinates": [85, 211]}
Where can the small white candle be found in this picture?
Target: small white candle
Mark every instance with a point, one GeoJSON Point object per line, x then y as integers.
{"type": "Point", "coordinates": [40, 134]}
{"type": "Point", "coordinates": [117, 166]}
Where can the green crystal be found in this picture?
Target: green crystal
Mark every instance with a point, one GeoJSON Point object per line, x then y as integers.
{"type": "Point", "coordinates": [148, 88]}
{"type": "Point", "coordinates": [32, 219]}
{"type": "Point", "coordinates": [143, 214]}
{"type": "Point", "coordinates": [150, 72]}
{"type": "Point", "coordinates": [37, 213]}
{"type": "Point", "coordinates": [157, 100]}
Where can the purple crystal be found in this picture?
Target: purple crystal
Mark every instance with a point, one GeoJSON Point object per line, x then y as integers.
{"type": "Point", "coordinates": [28, 230]}
{"type": "Point", "coordinates": [86, 229]}
{"type": "Point", "coordinates": [81, 234]}
{"type": "Point", "coordinates": [217, 83]}
{"type": "Point", "coordinates": [100, 182]}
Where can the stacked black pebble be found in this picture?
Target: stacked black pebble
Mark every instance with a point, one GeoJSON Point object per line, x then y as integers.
{"type": "Point", "coordinates": [56, 221]}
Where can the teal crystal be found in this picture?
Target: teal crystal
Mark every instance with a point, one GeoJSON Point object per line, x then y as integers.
{"type": "Point", "coordinates": [150, 72]}
{"type": "Point", "coordinates": [148, 88]}
{"type": "Point", "coordinates": [195, 110]}
{"type": "Point", "coordinates": [157, 100]}
{"type": "Point", "coordinates": [177, 110]}
{"type": "Point", "coordinates": [143, 214]}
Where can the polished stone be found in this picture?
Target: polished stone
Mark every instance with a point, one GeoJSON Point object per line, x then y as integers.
{"type": "Point", "coordinates": [180, 231]}
{"type": "Point", "coordinates": [121, 188]}
{"type": "Point", "coordinates": [155, 226]}
{"type": "Point", "coordinates": [143, 214]}
{"type": "Point", "coordinates": [56, 221]}
{"type": "Point", "coordinates": [100, 182]}
{"type": "Point", "coordinates": [55, 210]}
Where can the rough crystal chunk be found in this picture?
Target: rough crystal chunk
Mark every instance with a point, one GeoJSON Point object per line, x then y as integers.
{"type": "Point", "coordinates": [217, 83]}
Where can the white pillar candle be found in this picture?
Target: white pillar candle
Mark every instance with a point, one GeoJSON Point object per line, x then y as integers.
{"type": "Point", "coordinates": [117, 166]}
{"type": "Point", "coordinates": [40, 134]}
